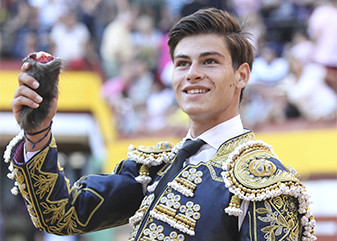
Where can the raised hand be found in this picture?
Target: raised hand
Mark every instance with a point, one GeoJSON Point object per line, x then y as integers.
{"type": "Point", "coordinates": [35, 100]}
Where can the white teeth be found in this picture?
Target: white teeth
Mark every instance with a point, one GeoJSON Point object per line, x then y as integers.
{"type": "Point", "coordinates": [196, 91]}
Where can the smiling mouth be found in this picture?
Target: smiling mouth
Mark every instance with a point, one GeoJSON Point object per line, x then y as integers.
{"type": "Point", "coordinates": [196, 91]}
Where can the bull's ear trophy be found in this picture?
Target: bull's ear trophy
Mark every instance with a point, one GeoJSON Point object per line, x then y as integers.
{"type": "Point", "coordinates": [45, 68]}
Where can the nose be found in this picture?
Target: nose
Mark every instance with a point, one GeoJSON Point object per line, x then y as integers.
{"type": "Point", "coordinates": [194, 73]}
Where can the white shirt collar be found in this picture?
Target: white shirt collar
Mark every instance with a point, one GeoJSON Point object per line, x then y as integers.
{"type": "Point", "coordinates": [222, 132]}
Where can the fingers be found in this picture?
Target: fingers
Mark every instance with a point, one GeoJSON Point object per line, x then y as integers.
{"type": "Point", "coordinates": [25, 66]}
{"type": "Point", "coordinates": [25, 79]}
{"type": "Point", "coordinates": [26, 96]}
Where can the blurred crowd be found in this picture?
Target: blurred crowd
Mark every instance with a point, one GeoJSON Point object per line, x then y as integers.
{"type": "Point", "coordinates": [294, 72]}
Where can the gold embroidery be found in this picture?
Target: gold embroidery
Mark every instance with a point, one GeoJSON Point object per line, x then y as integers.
{"type": "Point", "coordinates": [57, 210]}
{"type": "Point", "coordinates": [25, 189]}
{"type": "Point", "coordinates": [245, 177]}
{"type": "Point", "coordinates": [235, 202]}
{"type": "Point", "coordinates": [282, 216]}
{"type": "Point", "coordinates": [210, 165]}
{"type": "Point", "coordinates": [43, 184]}
{"type": "Point", "coordinates": [53, 143]}
{"type": "Point", "coordinates": [20, 178]}
{"type": "Point", "coordinates": [57, 220]}
{"type": "Point", "coordinates": [163, 170]}
{"type": "Point", "coordinates": [229, 146]}
{"type": "Point", "coordinates": [262, 168]}
{"type": "Point", "coordinates": [224, 151]}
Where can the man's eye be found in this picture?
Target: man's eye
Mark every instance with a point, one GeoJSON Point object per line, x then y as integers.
{"type": "Point", "coordinates": [210, 61]}
{"type": "Point", "coordinates": [182, 64]}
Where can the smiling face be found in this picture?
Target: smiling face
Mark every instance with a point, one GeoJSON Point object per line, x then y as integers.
{"type": "Point", "coordinates": [206, 86]}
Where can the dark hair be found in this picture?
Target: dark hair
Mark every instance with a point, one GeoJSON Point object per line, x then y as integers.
{"type": "Point", "coordinates": [216, 21]}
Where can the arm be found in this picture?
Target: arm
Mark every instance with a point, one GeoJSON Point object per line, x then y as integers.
{"type": "Point", "coordinates": [94, 202]}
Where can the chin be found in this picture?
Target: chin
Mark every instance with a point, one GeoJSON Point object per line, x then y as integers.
{"type": "Point", "coordinates": [193, 112]}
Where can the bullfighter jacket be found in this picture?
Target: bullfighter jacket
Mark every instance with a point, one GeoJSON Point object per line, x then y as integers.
{"type": "Point", "coordinates": [243, 193]}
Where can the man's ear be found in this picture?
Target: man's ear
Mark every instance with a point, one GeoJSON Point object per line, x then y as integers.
{"type": "Point", "coordinates": [242, 75]}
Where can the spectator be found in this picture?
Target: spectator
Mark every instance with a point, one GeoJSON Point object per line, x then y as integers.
{"type": "Point", "coordinates": [114, 91]}
{"type": "Point", "coordinates": [30, 43]}
{"type": "Point", "coordinates": [301, 48]}
{"type": "Point", "coordinates": [314, 65]}
{"type": "Point", "coordinates": [269, 68]}
{"type": "Point", "coordinates": [117, 47]}
{"type": "Point", "coordinates": [140, 89]}
{"type": "Point", "coordinates": [174, 7]}
{"type": "Point", "coordinates": [49, 12]}
{"type": "Point", "coordinates": [312, 96]}
{"type": "Point", "coordinates": [138, 93]}
{"type": "Point", "coordinates": [257, 30]}
{"type": "Point", "coordinates": [159, 106]}
{"type": "Point", "coordinates": [71, 41]}
{"type": "Point", "coordinates": [22, 21]}
{"type": "Point", "coordinates": [147, 40]}
{"type": "Point", "coordinates": [264, 100]}
{"type": "Point", "coordinates": [245, 8]}
{"type": "Point", "coordinates": [128, 94]}
{"type": "Point", "coordinates": [96, 14]}
{"type": "Point", "coordinates": [192, 7]}
{"type": "Point", "coordinates": [164, 60]}
{"type": "Point", "coordinates": [281, 20]}
{"type": "Point", "coordinates": [322, 29]}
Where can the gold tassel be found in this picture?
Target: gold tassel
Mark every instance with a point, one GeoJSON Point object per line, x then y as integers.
{"type": "Point", "coordinates": [144, 170]}
{"type": "Point", "coordinates": [234, 206]}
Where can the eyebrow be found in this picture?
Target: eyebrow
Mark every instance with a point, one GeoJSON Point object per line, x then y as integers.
{"type": "Point", "coordinates": [204, 54]}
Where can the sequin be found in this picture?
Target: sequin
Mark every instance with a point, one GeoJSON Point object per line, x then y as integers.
{"type": "Point", "coordinates": [173, 235]}
{"type": "Point", "coordinates": [189, 204]}
{"type": "Point", "coordinates": [181, 237]}
{"type": "Point", "coordinates": [153, 226]}
{"type": "Point", "coordinates": [196, 208]}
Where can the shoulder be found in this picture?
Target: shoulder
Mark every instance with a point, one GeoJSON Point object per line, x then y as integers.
{"type": "Point", "coordinates": [148, 156]}
{"type": "Point", "coordinates": [254, 172]}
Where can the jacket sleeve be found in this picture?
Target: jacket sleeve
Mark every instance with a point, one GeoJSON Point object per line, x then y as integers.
{"type": "Point", "coordinates": [92, 203]}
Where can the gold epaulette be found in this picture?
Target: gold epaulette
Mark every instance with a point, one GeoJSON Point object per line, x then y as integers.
{"type": "Point", "coordinates": [149, 156]}
{"type": "Point", "coordinates": [252, 172]}
{"type": "Point", "coordinates": [153, 155]}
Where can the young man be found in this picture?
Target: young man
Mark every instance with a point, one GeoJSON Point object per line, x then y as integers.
{"type": "Point", "coordinates": [232, 188]}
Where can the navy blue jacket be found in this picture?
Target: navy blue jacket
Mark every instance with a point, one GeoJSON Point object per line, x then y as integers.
{"type": "Point", "coordinates": [202, 202]}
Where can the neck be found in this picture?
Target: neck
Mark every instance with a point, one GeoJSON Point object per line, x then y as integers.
{"type": "Point", "coordinates": [197, 126]}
